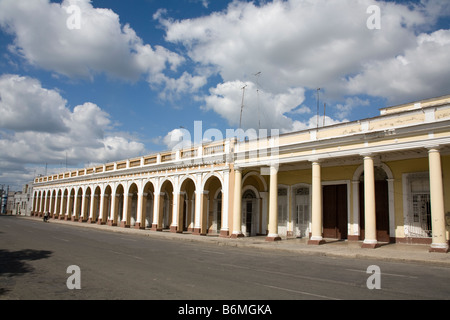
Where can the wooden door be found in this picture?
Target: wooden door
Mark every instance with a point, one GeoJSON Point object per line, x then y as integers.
{"type": "Point", "coordinates": [335, 208]}
{"type": "Point", "coordinates": [381, 209]}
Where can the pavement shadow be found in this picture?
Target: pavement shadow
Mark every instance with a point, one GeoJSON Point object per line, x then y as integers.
{"type": "Point", "coordinates": [15, 263]}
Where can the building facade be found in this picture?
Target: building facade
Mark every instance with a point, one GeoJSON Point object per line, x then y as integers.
{"type": "Point", "coordinates": [383, 179]}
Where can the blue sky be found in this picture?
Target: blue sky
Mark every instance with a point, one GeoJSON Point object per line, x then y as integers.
{"type": "Point", "coordinates": [133, 76]}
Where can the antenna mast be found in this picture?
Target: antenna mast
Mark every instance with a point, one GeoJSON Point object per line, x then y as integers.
{"type": "Point", "coordinates": [318, 108]}
{"type": "Point", "coordinates": [242, 105]}
{"type": "Point", "coordinates": [257, 97]}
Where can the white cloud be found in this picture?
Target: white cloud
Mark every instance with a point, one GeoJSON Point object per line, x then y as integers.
{"type": "Point", "coordinates": [29, 134]}
{"type": "Point", "coordinates": [262, 109]}
{"type": "Point", "coordinates": [101, 44]}
{"type": "Point", "coordinates": [307, 44]}
{"type": "Point", "coordinates": [178, 139]}
{"type": "Point", "coordinates": [421, 71]}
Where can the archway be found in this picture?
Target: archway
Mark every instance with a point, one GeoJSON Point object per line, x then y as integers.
{"type": "Point", "coordinates": [213, 187]}
{"type": "Point", "coordinates": [250, 213]}
{"type": "Point", "coordinates": [131, 218]}
{"type": "Point", "coordinates": [147, 207]}
{"type": "Point", "coordinates": [105, 215]}
{"type": "Point", "coordinates": [185, 205]}
{"type": "Point", "coordinates": [165, 205]}
{"type": "Point", "coordinates": [118, 205]}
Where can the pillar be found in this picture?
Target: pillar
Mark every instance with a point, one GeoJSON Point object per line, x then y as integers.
{"type": "Point", "coordinates": [316, 205]}
{"type": "Point", "coordinates": [439, 242]}
{"type": "Point", "coordinates": [237, 204]}
{"type": "Point", "coordinates": [141, 206]}
{"type": "Point", "coordinates": [102, 209]}
{"type": "Point", "coordinates": [174, 224]}
{"type": "Point", "coordinates": [157, 211]}
{"type": "Point", "coordinates": [370, 225]}
{"type": "Point", "coordinates": [273, 206]}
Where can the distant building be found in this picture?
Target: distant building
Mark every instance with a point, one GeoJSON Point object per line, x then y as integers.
{"type": "Point", "coordinates": [377, 180]}
{"type": "Point", "coordinates": [22, 204]}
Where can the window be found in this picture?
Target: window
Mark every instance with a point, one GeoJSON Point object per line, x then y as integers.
{"type": "Point", "coordinates": [418, 217]}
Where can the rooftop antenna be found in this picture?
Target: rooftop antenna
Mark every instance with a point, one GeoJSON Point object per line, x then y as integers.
{"type": "Point", "coordinates": [324, 112]}
{"type": "Point", "coordinates": [242, 105]}
{"type": "Point", "coordinates": [318, 89]}
{"type": "Point", "coordinates": [257, 97]}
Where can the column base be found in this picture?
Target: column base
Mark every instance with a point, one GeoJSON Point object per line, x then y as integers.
{"type": "Point", "coordinates": [123, 224]}
{"type": "Point", "coordinates": [224, 234]}
{"type": "Point", "coordinates": [236, 235]}
{"type": "Point", "coordinates": [312, 242]}
{"type": "Point", "coordinates": [370, 244]}
{"type": "Point", "coordinates": [174, 229]}
{"type": "Point", "coordinates": [101, 222]}
{"type": "Point", "coordinates": [273, 237]}
{"type": "Point", "coordinates": [111, 223]}
{"type": "Point", "coordinates": [155, 228]}
{"type": "Point", "coordinates": [440, 248]}
{"type": "Point", "coordinates": [138, 226]}
{"type": "Point", "coordinates": [316, 241]}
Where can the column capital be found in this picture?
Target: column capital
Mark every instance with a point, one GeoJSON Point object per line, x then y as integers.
{"type": "Point", "coordinates": [316, 160]}
{"type": "Point", "coordinates": [433, 148]}
{"type": "Point", "coordinates": [367, 155]}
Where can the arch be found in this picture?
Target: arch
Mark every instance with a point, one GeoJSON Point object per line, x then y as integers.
{"type": "Point", "coordinates": [78, 201]}
{"type": "Point", "coordinates": [95, 199]}
{"type": "Point", "coordinates": [131, 202]}
{"type": "Point", "coordinates": [251, 223]}
{"type": "Point", "coordinates": [261, 181]}
{"type": "Point", "coordinates": [146, 217]}
{"type": "Point", "coordinates": [105, 213]}
{"type": "Point", "coordinates": [117, 204]}
{"type": "Point", "coordinates": [86, 204]}
{"type": "Point", "coordinates": [165, 204]}
{"type": "Point", "coordinates": [213, 186]}
{"type": "Point", "coordinates": [185, 206]}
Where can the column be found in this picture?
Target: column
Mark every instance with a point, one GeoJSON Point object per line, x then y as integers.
{"type": "Point", "coordinates": [370, 225]}
{"type": "Point", "coordinates": [112, 213]}
{"type": "Point", "coordinates": [141, 205]}
{"type": "Point", "coordinates": [205, 213]}
{"type": "Point", "coordinates": [198, 212]}
{"type": "Point", "coordinates": [439, 243]}
{"type": "Point", "coordinates": [237, 204]}
{"type": "Point", "coordinates": [62, 207]}
{"type": "Point", "coordinates": [273, 206]}
{"type": "Point", "coordinates": [156, 212]}
{"type": "Point", "coordinates": [316, 205]}
{"type": "Point", "coordinates": [224, 230]}
{"type": "Point", "coordinates": [127, 203]}
{"type": "Point", "coordinates": [174, 225]}
{"type": "Point", "coordinates": [93, 205]}
{"type": "Point", "coordinates": [101, 210]}
{"type": "Point", "coordinates": [180, 218]}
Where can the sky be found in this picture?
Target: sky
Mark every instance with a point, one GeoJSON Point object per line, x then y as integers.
{"type": "Point", "coordinates": [84, 82]}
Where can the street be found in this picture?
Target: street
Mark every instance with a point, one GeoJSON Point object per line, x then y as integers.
{"type": "Point", "coordinates": [35, 257]}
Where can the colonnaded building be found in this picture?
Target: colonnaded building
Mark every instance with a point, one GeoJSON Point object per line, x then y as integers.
{"type": "Point", "coordinates": [377, 180]}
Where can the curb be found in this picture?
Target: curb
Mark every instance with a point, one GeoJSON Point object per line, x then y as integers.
{"type": "Point", "coordinates": [414, 254]}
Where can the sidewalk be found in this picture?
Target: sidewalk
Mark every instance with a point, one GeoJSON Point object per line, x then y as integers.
{"type": "Point", "coordinates": [393, 252]}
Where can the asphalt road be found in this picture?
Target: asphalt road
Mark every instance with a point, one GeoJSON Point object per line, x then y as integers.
{"type": "Point", "coordinates": [35, 256]}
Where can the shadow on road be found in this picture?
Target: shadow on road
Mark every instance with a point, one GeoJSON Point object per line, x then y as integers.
{"type": "Point", "coordinates": [15, 263]}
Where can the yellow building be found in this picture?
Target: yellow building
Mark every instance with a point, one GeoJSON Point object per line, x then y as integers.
{"type": "Point", "coordinates": [383, 179]}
